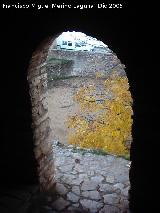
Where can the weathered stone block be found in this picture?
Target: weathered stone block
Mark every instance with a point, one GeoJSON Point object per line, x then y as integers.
{"type": "Point", "coordinates": [60, 204]}
{"type": "Point", "coordinates": [72, 197]}
{"type": "Point", "coordinates": [61, 189]}
{"type": "Point", "coordinates": [111, 199]}
{"type": "Point", "coordinates": [91, 195]}
{"type": "Point", "coordinates": [91, 205]}
{"type": "Point", "coordinates": [89, 185]}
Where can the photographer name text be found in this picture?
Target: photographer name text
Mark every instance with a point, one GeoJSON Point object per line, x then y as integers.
{"type": "Point", "coordinates": [63, 6]}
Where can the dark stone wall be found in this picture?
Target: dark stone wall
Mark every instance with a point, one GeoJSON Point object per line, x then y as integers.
{"type": "Point", "coordinates": [88, 63]}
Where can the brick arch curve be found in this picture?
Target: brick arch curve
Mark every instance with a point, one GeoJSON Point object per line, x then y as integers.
{"type": "Point", "coordinates": [37, 78]}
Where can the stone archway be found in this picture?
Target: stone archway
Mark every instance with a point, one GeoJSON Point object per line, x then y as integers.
{"type": "Point", "coordinates": [53, 157]}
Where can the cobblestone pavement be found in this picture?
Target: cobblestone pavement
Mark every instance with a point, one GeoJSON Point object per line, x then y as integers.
{"type": "Point", "coordinates": [87, 181]}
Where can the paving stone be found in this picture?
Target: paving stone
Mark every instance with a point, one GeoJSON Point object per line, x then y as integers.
{"type": "Point", "coordinates": [61, 189]}
{"type": "Point", "coordinates": [74, 172]}
{"type": "Point", "coordinates": [127, 183]}
{"type": "Point", "coordinates": [67, 154]}
{"type": "Point", "coordinates": [109, 209]}
{"type": "Point", "coordinates": [110, 179]}
{"type": "Point", "coordinates": [66, 168]}
{"type": "Point", "coordinates": [125, 191]}
{"type": "Point", "coordinates": [83, 176]}
{"type": "Point", "coordinates": [91, 195]}
{"type": "Point", "coordinates": [97, 179]}
{"type": "Point", "coordinates": [76, 190]}
{"type": "Point", "coordinates": [110, 158]}
{"type": "Point", "coordinates": [89, 185]}
{"type": "Point", "coordinates": [91, 205]}
{"type": "Point", "coordinates": [68, 178]}
{"type": "Point", "coordinates": [60, 204]}
{"type": "Point", "coordinates": [76, 155]}
{"type": "Point", "coordinates": [79, 168]}
{"type": "Point", "coordinates": [58, 176]}
{"type": "Point", "coordinates": [75, 205]}
{"type": "Point", "coordinates": [72, 209]}
{"type": "Point", "coordinates": [111, 199]}
{"type": "Point", "coordinates": [72, 197]}
{"type": "Point", "coordinates": [90, 172]}
{"type": "Point", "coordinates": [106, 188]}
{"type": "Point", "coordinates": [102, 172]}
{"type": "Point", "coordinates": [124, 203]}
{"type": "Point", "coordinates": [92, 167]}
{"type": "Point", "coordinates": [76, 181]}
{"type": "Point", "coordinates": [118, 186]}
{"type": "Point", "coordinates": [121, 174]}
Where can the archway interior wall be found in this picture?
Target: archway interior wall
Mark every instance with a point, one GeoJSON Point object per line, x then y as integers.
{"type": "Point", "coordinates": [84, 64]}
{"type": "Point", "coordinates": [37, 79]}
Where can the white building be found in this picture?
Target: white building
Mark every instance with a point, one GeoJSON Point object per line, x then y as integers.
{"type": "Point", "coordinates": [78, 41]}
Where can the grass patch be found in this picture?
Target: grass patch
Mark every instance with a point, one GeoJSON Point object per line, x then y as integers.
{"type": "Point", "coordinates": [83, 151]}
{"type": "Point", "coordinates": [98, 152]}
{"type": "Point", "coordinates": [126, 157]}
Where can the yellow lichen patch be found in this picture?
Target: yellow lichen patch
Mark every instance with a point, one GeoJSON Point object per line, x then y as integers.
{"type": "Point", "coordinates": [103, 123]}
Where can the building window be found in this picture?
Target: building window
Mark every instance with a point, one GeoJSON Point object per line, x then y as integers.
{"type": "Point", "coordinates": [69, 43]}
{"type": "Point", "coordinates": [64, 43]}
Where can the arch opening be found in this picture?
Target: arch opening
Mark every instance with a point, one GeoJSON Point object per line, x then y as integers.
{"type": "Point", "coordinates": [81, 109]}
